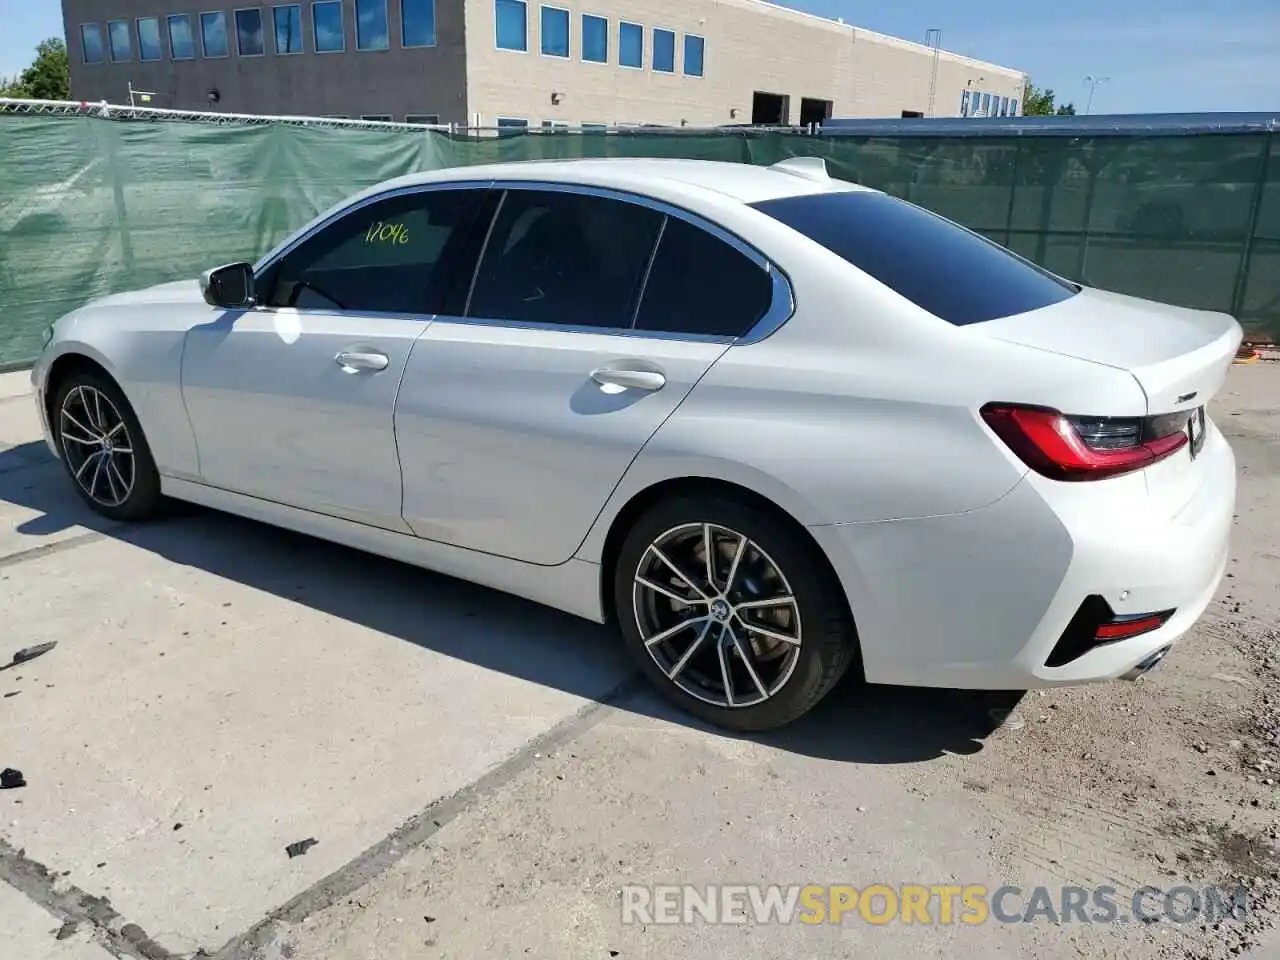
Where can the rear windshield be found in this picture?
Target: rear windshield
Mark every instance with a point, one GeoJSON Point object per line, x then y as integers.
{"type": "Point", "coordinates": [954, 274]}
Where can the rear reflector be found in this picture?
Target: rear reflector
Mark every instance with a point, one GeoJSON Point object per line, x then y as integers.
{"type": "Point", "coordinates": [1085, 448]}
{"type": "Point", "coordinates": [1096, 624]}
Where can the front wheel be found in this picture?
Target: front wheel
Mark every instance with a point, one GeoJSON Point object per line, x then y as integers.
{"type": "Point", "coordinates": [103, 447]}
{"type": "Point", "coordinates": [731, 613]}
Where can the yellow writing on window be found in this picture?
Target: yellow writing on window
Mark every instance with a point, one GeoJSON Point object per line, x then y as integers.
{"type": "Point", "coordinates": [394, 233]}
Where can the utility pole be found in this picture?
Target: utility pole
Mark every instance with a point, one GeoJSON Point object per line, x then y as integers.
{"type": "Point", "coordinates": [933, 38]}
{"type": "Point", "coordinates": [1094, 83]}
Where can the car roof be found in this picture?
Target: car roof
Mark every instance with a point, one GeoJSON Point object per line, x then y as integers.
{"type": "Point", "coordinates": [744, 182]}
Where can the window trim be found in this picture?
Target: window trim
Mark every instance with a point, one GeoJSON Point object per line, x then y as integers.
{"type": "Point", "coordinates": [84, 57]}
{"type": "Point", "coordinates": [204, 55]}
{"type": "Point", "coordinates": [684, 59]}
{"type": "Point", "coordinates": [435, 30]}
{"type": "Point", "coordinates": [386, 13]}
{"type": "Point", "coordinates": [262, 25]}
{"type": "Point", "coordinates": [568, 23]}
{"type": "Point", "coordinates": [110, 51]}
{"type": "Point", "coordinates": [342, 25]}
{"type": "Point", "coordinates": [499, 46]}
{"type": "Point", "coordinates": [630, 66]}
{"type": "Point", "coordinates": [780, 310]}
{"type": "Point", "coordinates": [275, 37]}
{"type": "Point", "coordinates": [653, 50]}
{"type": "Point", "coordinates": [582, 46]}
{"type": "Point", "coordinates": [168, 37]}
{"type": "Point", "coordinates": [137, 29]}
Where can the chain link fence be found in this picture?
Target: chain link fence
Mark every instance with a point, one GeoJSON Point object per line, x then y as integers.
{"type": "Point", "coordinates": [97, 198]}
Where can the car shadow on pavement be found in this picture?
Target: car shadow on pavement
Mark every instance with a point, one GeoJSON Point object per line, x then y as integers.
{"type": "Point", "coordinates": [856, 723]}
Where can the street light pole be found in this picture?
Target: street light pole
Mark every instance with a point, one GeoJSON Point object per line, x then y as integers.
{"type": "Point", "coordinates": [1094, 83]}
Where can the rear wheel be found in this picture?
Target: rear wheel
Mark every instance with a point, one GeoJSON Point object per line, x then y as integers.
{"type": "Point", "coordinates": [103, 447]}
{"type": "Point", "coordinates": [730, 612]}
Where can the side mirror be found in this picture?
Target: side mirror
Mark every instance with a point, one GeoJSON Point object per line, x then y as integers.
{"type": "Point", "coordinates": [229, 286]}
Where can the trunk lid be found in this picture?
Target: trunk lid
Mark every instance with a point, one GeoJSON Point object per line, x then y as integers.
{"type": "Point", "coordinates": [1179, 356]}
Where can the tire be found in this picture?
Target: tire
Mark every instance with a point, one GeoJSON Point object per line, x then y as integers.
{"type": "Point", "coordinates": [789, 590]}
{"type": "Point", "coordinates": [117, 479]}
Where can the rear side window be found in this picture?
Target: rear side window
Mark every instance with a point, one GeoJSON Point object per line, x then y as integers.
{"type": "Point", "coordinates": [937, 265]}
{"type": "Point", "coordinates": [565, 258]}
{"type": "Point", "coordinates": [700, 284]}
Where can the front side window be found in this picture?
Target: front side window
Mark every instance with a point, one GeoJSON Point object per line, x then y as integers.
{"type": "Point", "coordinates": [595, 38]}
{"type": "Point", "coordinates": [327, 19]}
{"type": "Point", "coordinates": [213, 34]}
{"type": "Point", "coordinates": [391, 256]}
{"type": "Point", "coordinates": [249, 39]}
{"type": "Point", "coordinates": [938, 265]}
{"type": "Point", "coordinates": [371, 25]}
{"type": "Point", "coordinates": [91, 43]}
{"type": "Point", "coordinates": [512, 24]}
{"type": "Point", "coordinates": [555, 32]}
{"type": "Point", "coordinates": [630, 45]}
{"type": "Point", "coordinates": [121, 45]}
{"type": "Point", "coordinates": [681, 295]}
{"type": "Point", "coordinates": [694, 48]}
{"type": "Point", "coordinates": [664, 51]}
{"type": "Point", "coordinates": [150, 46]}
{"type": "Point", "coordinates": [182, 40]}
{"type": "Point", "coordinates": [287, 21]}
{"type": "Point", "coordinates": [564, 258]}
{"type": "Point", "coordinates": [418, 23]}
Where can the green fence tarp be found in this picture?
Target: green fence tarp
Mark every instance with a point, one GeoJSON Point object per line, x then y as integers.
{"type": "Point", "coordinates": [91, 206]}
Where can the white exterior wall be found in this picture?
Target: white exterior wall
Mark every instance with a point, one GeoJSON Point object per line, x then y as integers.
{"type": "Point", "coordinates": [750, 46]}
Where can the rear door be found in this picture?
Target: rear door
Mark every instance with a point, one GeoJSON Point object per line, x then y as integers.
{"type": "Point", "coordinates": [591, 318]}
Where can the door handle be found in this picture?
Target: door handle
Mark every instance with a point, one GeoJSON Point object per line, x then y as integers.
{"type": "Point", "coordinates": [629, 379]}
{"type": "Point", "coordinates": [354, 360]}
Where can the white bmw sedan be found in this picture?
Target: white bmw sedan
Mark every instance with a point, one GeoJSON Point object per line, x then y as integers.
{"type": "Point", "coordinates": [776, 425]}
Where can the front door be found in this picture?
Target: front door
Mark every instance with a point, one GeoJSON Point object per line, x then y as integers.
{"type": "Point", "coordinates": [292, 401]}
{"type": "Point", "coordinates": [590, 320]}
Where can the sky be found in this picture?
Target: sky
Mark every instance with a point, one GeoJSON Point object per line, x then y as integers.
{"type": "Point", "coordinates": [1158, 55]}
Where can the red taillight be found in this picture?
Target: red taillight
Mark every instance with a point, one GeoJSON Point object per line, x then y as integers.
{"type": "Point", "coordinates": [1124, 628]}
{"type": "Point", "coordinates": [1084, 448]}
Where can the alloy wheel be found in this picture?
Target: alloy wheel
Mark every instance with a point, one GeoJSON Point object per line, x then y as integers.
{"type": "Point", "coordinates": [717, 615]}
{"type": "Point", "coordinates": [97, 446]}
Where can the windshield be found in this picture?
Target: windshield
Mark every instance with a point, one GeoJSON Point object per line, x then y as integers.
{"type": "Point", "coordinates": [956, 275]}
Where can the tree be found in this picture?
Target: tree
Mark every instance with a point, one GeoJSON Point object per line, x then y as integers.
{"type": "Point", "coordinates": [1039, 103]}
{"type": "Point", "coordinates": [48, 77]}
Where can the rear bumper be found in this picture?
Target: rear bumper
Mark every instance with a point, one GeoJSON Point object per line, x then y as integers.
{"type": "Point", "coordinates": [979, 600]}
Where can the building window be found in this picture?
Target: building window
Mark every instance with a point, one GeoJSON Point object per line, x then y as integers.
{"type": "Point", "coordinates": [287, 21]}
{"type": "Point", "coordinates": [427, 119]}
{"type": "Point", "coordinates": [1004, 106]}
{"type": "Point", "coordinates": [121, 44]}
{"type": "Point", "coordinates": [149, 44]}
{"type": "Point", "coordinates": [694, 48]}
{"type": "Point", "coordinates": [510, 126]}
{"type": "Point", "coordinates": [595, 38]}
{"type": "Point", "coordinates": [91, 43]}
{"type": "Point", "coordinates": [664, 51]}
{"type": "Point", "coordinates": [249, 39]}
{"type": "Point", "coordinates": [182, 41]}
{"type": "Point", "coordinates": [1013, 108]}
{"type": "Point", "coordinates": [555, 32]}
{"type": "Point", "coordinates": [213, 34]}
{"type": "Point", "coordinates": [630, 45]}
{"type": "Point", "coordinates": [327, 19]}
{"type": "Point", "coordinates": [986, 104]}
{"type": "Point", "coordinates": [594, 128]}
{"type": "Point", "coordinates": [371, 25]}
{"type": "Point", "coordinates": [418, 23]}
{"type": "Point", "coordinates": [377, 117]}
{"type": "Point", "coordinates": [512, 24]}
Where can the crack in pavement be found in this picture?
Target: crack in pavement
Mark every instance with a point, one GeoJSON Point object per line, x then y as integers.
{"type": "Point", "coordinates": [70, 904]}
{"type": "Point", "coordinates": [57, 546]}
{"type": "Point", "coordinates": [420, 827]}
